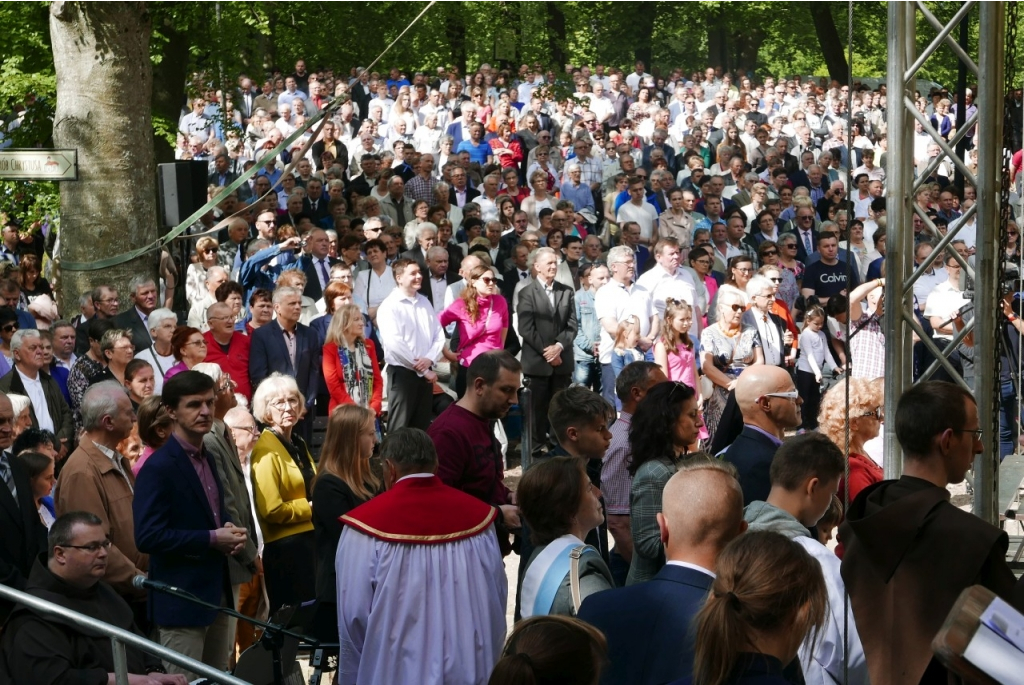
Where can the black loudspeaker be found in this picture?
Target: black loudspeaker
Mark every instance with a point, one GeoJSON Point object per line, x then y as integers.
{"type": "Point", "coordinates": [182, 188]}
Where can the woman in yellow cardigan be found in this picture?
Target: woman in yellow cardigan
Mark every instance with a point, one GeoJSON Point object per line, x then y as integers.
{"type": "Point", "coordinates": [282, 477]}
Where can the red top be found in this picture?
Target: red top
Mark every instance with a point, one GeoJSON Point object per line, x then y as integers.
{"type": "Point", "coordinates": [335, 377]}
{"type": "Point", "coordinates": [863, 472]}
{"type": "Point", "coordinates": [234, 362]}
{"type": "Point", "coordinates": [507, 160]}
{"type": "Point", "coordinates": [421, 511]}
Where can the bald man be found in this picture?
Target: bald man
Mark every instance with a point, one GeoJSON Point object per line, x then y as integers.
{"type": "Point", "coordinates": [770, 406]}
{"type": "Point", "coordinates": [648, 624]}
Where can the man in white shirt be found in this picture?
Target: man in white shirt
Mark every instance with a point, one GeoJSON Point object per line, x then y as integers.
{"type": "Point", "coordinates": [638, 210]}
{"type": "Point", "coordinates": [64, 345]}
{"type": "Point", "coordinates": [616, 301]}
{"type": "Point", "coordinates": [49, 409]}
{"type": "Point", "coordinates": [666, 280]}
{"type": "Point", "coordinates": [637, 76]}
{"type": "Point", "coordinates": [599, 104]}
{"type": "Point", "coordinates": [412, 339]}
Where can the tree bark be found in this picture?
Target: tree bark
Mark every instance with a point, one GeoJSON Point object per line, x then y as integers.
{"type": "Point", "coordinates": [104, 93]}
{"type": "Point", "coordinates": [169, 80]}
{"type": "Point", "coordinates": [646, 14]}
{"type": "Point", "coordinates": [832, 47]}
{"type": "Point", "coordinates": [455, 29]}
{"type": "Point", "coordinates": [556, 34]}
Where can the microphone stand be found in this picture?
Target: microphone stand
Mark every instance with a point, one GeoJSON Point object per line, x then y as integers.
{"type": "Point", "coordinates": [273, 634]}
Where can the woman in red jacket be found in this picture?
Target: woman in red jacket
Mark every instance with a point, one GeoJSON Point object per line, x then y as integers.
{"type": "Point", "coordinates": [350, 362]}
{"type": "Point", "coordinates": [866, 416]}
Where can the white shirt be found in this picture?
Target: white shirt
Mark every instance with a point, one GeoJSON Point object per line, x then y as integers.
{"type": "Point", "coordinates": [601, 106]}
{"type": "Point", "coordinates": [693, 567]}
{"type": "Point", "coordinates": [771, 344]}
{"type": "Point", "coordinates": [160, 366]}
{"type": "Point", "coordinates": [66, 364]}
{"type": "Point", "coordinates": [34, 390]}
{"type": "Point", "coordinates": [409, 329]}
{"type": "Point", "coordinates": [370, 289]}
{"type": "Point", "coordinates": [645, 215]}
{"type": "Point", "coordinates": [944, 302]}
{"type": "Point", "coordinates": [438, 289]}
{"type": "Point", "coordinates": [615, 300]}
{"type": "Point", "coordinates": [678, 286]}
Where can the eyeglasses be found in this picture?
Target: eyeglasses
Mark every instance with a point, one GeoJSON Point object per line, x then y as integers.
{"type": "Point", "coordinates": [487, 281]}
{"type": "Point", "coordinates": [744, 270]}
{"type": "Point", "coordinates": [977, 432]}
{"type": "Point", "coordinates": [791, 395]}
{"type": "Point", "coordinates": [874, 413]}
{"type": "Point", "coordinates": [283, 402]}
{"type": "Point", "coordinates": [705, 262]}
{"type": "Point", "coordinates": [91, 548]}
{"type": "Point", "coordinates": [769, 253]}
{"type": "Point", "coordinates": [9, 328]}
{"type": "Point", "coordinates": [737, 307]}
{"type": "Point", "coordinates": [775, 280]}
{"type": "Point", "coordinates": [210, 250]}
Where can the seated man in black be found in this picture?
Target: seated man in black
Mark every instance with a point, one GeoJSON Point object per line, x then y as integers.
{"type": "Point", "coordinates": [44, 649]}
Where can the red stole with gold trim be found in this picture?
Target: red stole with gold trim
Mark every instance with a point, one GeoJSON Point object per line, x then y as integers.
{"type": "Point", "coordinates": [421, 511]}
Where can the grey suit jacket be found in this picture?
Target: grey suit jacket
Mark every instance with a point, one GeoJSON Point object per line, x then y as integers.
{"type": "Point", "coordinates": [541, 326]}
{"type": "Point", "coordinates": [236, 498]}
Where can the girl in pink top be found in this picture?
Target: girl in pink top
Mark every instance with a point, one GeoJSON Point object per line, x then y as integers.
{"type": "Point", "coordinates": [481, 318]}
{"type": "Point", "coordinates": [674, 351]}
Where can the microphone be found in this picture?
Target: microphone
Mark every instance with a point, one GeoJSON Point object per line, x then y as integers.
{"type": "Point", "coordinates": [141, 582]}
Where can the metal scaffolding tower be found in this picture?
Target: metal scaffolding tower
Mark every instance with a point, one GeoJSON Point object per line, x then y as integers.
{"type": "Point", "coordinates": [900, 323]}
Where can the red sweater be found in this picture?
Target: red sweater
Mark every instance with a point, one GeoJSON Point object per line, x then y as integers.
{"type": "Point", "coordinates": [235, 362]}
{"type": "Point", "coordinates": [335, 377]}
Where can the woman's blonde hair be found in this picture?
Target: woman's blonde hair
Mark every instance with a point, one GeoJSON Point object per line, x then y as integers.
{"type": "Point", "coordinates": [624, 326]}
{"type": "Point", "coordinates": [865, 396]}
{"type": "Point", "coordinates": [340, 321]}
{"type": "Point", "coordinates": [766, 585]}
{"type": "Point", "coordinates": [339, 455]}
{"type": "Point", "coordinates": [273, 386]}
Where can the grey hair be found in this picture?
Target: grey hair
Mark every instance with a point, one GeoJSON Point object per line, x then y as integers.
{"type": "Point", "coordinates": [19, 402]}
{"type": "Point", "coordinates": [158, 316]}
{"type": "Point", "coordinates": [84, 299]}
{"type": "Point", "coordinates": [410, 450]}
{"type": "Point", "coordinates": [20, 335]}
{"type": "Point", "coordinates": [257, 245]}
{"type": "Point", "coordinates": [213, 270]}
{"type": "Point", "coordinates": [436, 250]}
{"type": "Point", "coordinates": [212, 370]}
{"type": "Point", "coordinates": [284, 291]}
{"type": "Point", "coordinates": [758, 283]}
{"type": "Point", "coordinates": [139, 281]}
{"type": "Point", "coordinates": [100, 400]}
{"type": "Point", "coordinates": [618, 254]}
{"type": "Point", "coordinates": [426, 226]}
{"type": "Point", "coordinates": [532, 259]}
{"type": "Point", "coordinates": [273, 386]}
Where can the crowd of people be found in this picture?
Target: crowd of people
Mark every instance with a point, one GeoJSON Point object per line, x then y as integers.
{"type": "Point", "coordinates": [684, 271]}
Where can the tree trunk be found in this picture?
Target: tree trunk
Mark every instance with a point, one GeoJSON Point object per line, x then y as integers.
{"type": "Point", "coordinates": [104, 92]}
{"type": "Point", "coordinates": [455, 29]}
{"type": "Point", "coordinates": [556, 34]}
{"type": "Point", "coordinates": [645, 17]}
{"type": "Point", "coordinates": [832, 47]}
{"type": "Point", "coordinates": [169, 78]}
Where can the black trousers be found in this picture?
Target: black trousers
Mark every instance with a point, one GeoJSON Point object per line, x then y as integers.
{"type": "Point", "coordinates": [410, 399]}
{"type": "Point", "coordinates": [289, 570]}
{"type": "Point", "coordinates": [810, 392]}
{"type": "Point", "coordinates": [542, 389]}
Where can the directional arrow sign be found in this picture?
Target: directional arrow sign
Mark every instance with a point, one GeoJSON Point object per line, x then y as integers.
{"type": "Point", "coordinates": [39, 165]}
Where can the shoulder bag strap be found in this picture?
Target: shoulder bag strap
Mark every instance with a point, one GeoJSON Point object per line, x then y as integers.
{"type": "Point", "coordinates": [574, 576]}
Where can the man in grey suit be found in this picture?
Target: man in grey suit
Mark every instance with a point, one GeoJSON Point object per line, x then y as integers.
{"type": "Point", "coordinates": [143, 294]}
{"type": "Point", "coordinates": [547, 325]}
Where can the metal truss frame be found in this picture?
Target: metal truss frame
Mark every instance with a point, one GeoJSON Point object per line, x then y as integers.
{"type": "Point", "coordinates": [899, 321]}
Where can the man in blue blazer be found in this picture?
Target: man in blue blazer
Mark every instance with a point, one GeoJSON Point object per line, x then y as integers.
{"type": "Point", "coordinates": [768, 401]}
{"type": "Point", "coordinates": [182, 523]}
{"type": "Point", "coordinates": [287, 346]}
{"type": "Point", "coordinates": [649, 625]}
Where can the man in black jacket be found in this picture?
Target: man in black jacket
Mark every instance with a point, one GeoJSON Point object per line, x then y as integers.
{"type": "Point", "coordinates": [37, 648]}
{"type": "Point", "coordinates": [22, 534]}
{"type": "Point", "coordinates": [50, 411]}
{"type": "Point", "coordinates": [770, 405]}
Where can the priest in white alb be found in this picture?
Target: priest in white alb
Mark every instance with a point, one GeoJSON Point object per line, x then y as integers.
{"type": "Point", "coordinates": [421, 584]}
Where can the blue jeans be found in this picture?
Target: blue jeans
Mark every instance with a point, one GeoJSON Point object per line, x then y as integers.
{"type": "Point", "coordinates": [588, 374]}
{"type": "Point", "coordinates": [1009, 416]}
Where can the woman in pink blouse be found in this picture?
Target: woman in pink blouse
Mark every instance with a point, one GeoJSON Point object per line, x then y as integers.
{"type": "Point", "coordinates": [481, 318]}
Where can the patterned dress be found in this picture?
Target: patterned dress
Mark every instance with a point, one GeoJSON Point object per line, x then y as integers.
{"type": "Point", "coordinates": [736, 351]}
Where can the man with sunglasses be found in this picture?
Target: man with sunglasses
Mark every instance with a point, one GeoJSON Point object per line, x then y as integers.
{"type": "Point", "coordinates": [770, 405]}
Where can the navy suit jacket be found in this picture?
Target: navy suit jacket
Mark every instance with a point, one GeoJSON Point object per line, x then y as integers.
{"type": "Point", "coordinates": [173, 521]}
{"type": "Point", "coordinates": [308, 265]}
{"type": "Point", "coordinates": [648, 625]}
{"type": "Point", "coordinates": [752, 453]}
{"type": "Point", "coordinates": [455, 131]}
{"type": "Point", "coordinates": [268, 354]}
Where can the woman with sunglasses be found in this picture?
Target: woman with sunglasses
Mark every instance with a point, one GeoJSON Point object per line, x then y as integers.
{"type": "Point", "coordinates": [726, 350]}
{"type": "Point", "coordinates": [788, 262]}
{"type": "Point", "coordinates": [702, 261]}
{"type": "Point", "coordinates": [481, 318]}
{"type": "Point", "coordinates": [865, 423]}
{"type": "Point", "coordinates": [738, 271]}
{"type": "Point", "coordinates": [769, 254]}
{"type": "Point", "coordinates": [206, 255]}
{"type": "Point", "coordinates": [779, 307]}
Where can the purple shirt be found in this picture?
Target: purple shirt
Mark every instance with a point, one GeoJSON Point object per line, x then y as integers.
{"type": "Point", "coordinates": [197, 457]}
{"type": "Point", "coordinates": [773, 438]}
{"type": "Point", "coordinates": [615, 479]}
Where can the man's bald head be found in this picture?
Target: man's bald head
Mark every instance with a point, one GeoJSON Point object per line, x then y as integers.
{"type": "Point", "coordinates": [754, 390]}
{"type": "Point", "coordinates": [701, 512]}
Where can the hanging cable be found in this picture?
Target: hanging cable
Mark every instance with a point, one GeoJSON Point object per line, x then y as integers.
{"type": "Point", "coordinates": [846, 334]}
